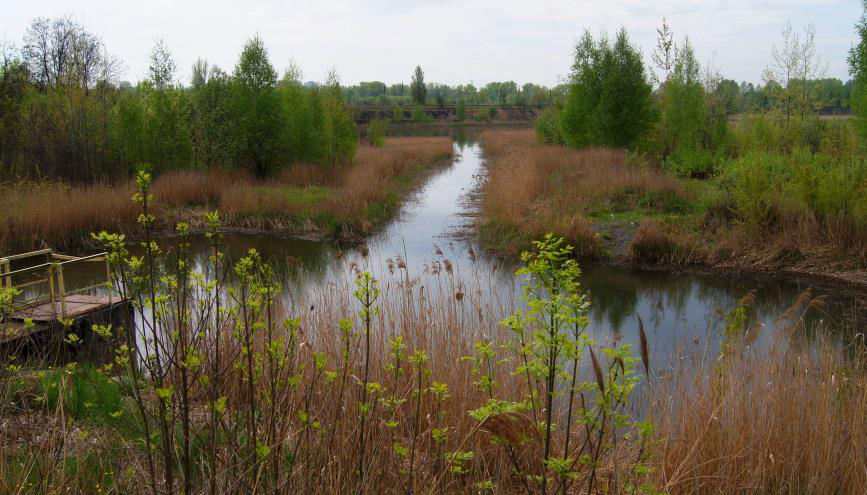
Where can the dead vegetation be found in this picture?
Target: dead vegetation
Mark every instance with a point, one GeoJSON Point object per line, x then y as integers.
{"type": "Point", "coordinates": [534, 188]}
{"type": "Point", "coordinates": [790, 417]}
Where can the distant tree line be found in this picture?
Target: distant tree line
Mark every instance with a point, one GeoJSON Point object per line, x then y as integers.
{"type": "Point", "coordinates": [832, 96]}
{"type": "Point", "coordinates": [63, 113]}
{"type": "Point", "coordinates": [493, 93]}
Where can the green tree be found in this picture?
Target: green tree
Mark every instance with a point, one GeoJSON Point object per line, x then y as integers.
{"type": "Point", "coordinates": [609, 101]}
{"type": "Point", "coordinates": [418, 89]}
{"type": "Point", "coordinates": [664, 55]}
{"type": "Point", "coordinates": [794, 64]}
{"type": "Point", "coordinates": [858, 70]}
{"type": "Point", "coordinates": [212, 130]}
{"type": "Point", "coordinates": [162, 66]}
{"type": "Point", "coordinates": [261, 123]}
{"type": "Point", "coordinates": [376, 132]}
{"type": "Point", "coordinates": [683, 113]}
{"type": "Point", "coordinates": [166, 120]}
{"type": "Point", "coordinates": [342, 133]}
{"type": "Point", "coordinates": [13, 88]}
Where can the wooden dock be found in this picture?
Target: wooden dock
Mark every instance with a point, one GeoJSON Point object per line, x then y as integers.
{"type": "Point", "coordinates": [45, 308]}
{"type": "Point", "coordinates": [77, 306]}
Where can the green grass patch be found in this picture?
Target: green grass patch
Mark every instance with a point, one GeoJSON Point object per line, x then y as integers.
{"type": "Point", "coordinates": [88, 472]}
{"type": "Point", "coordinates": [87, 395]}
{"type": "Point", "coordinates": [503, 238]}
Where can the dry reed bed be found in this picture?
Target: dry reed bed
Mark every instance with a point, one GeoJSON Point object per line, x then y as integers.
{"type": "Point", "coordinates": [657, 243]}
{"type": "Point", "coordinates": [63, 216]}
{"type": "Point", "coordinates": [533, 188]}
{"type": "Point", "coordinates": [796, 242]}
{"type": "Point", "coordinates": [791, 418]}
{"type": "Point", "coordinates": [35, 215]}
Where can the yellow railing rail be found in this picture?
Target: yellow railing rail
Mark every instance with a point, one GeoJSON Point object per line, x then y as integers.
{"type": "Point", "coordinates": [50, 273]}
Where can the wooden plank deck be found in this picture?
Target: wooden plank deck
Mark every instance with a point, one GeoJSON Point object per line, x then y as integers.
{"type": "Point", "coordinates": [76, 307]}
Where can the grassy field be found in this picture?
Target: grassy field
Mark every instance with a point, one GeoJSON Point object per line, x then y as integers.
{"type": "Point", "coordinates": [304, 199]}
{"type": "Point", "coordinates": [773, 204]}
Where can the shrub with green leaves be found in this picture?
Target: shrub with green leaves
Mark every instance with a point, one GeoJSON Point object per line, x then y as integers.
{"type": "Point", "coordinates": [691, 134]}
{"type": "Point", "coordinates": [548, 127]}
{"type": "Point", "coordinates": [419, 115]}
{"type": "Point", "coordinates": [376, 132]}
{"type": "Point", "coordinates": [461, 111]}
{"type": "Point", "coordinates": [572, 427]}
{"type": "Point", "coordinates": [768, 187]}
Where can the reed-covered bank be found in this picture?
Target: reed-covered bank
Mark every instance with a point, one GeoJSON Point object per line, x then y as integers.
{"type": "Point", "coordinates": [785, 419]}
{"type": "Point", "coordinates": [533, 188]}
{"type": "Point", "coordinates": [765, 208]}
{"type": "Point", "coordinates": [302, 199]}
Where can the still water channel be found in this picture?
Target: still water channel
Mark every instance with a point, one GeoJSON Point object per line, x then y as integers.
{"type": "Point", "coordinates": [429, 238]}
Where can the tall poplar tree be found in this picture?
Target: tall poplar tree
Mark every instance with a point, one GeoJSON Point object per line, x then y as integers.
{"type": "Point", "coordinates": [418, 89]}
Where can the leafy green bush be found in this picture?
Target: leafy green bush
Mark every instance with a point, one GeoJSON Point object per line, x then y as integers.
{"type": "Point", "coordinates": [692, 133]}
{"type": "Point", "coordinates": [419, 116]}
{"type": "Point", "coordinates": [767, 187]}
{"type": "Point", "coordinates": [692, 162]}
{"type": "Point", "coordinates": [548, 346]}
{"type": "Point", "coordinates": [376, 132]}
{"type": "Point", "coordinates": [548, 127]}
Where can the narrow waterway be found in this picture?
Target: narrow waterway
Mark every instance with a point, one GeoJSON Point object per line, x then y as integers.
{"type": "Point", "coordinates": [679, 309]}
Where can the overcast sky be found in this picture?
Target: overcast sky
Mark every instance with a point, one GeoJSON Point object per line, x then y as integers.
{"type": "Point", "coordinates": [454, 41]}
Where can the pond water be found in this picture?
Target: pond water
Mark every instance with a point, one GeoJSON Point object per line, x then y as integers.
{"type": "Point", "coordinates": [429, 238]}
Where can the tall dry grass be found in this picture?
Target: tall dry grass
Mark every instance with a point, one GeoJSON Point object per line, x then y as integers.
{"type": "Point", "coordinates": [36, 215]}
{"type": "Point", "coordinates": [656, 243]}
{"type": "Point", "coordinates": [61, 216]}
{"type": "Point", "coordinates": [354, 198]}
{"type": "Point", "coordinates": [374, 167]}
{"type": "Point", "coordinates": [788, 418]}
{"type": "Point", "coordinates": [189, 188]}
{"type": "Point", "coordinates": [534, 188]}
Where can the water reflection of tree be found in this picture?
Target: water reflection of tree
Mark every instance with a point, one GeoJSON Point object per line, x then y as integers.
{"type": "Point", "coordinates": [459, 134]}
{"type": "Point", "coordinates": [617, 294]}
{"type": "Point", "coordinates": [613, 296]}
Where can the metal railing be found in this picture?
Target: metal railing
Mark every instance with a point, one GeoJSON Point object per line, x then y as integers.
{"type": "Point", "coordinates": [45, 282]}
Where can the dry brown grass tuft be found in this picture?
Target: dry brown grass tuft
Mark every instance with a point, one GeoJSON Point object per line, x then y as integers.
{"type": "Point", "coordinates": [783, 420]}
{"type": "Point", "coordinates": [197, 188]}
{"type": "Point", "coordinates": [656, 243]}
{"type": "Point", "coordinates": [309, 174]}
{"type": "Point", "coordinates": [535, 188]}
